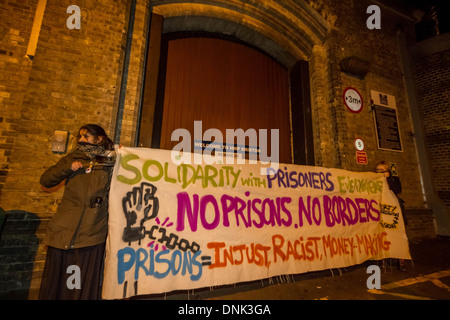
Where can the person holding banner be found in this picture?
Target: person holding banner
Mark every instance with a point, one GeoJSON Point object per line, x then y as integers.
{"type": "Point", "coordinates": [77, 233]}
{"type": "Point", "coordinates": [396, 187]}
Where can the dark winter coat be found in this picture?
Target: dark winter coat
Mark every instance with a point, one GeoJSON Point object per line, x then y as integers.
{"type": "Point", "coordinates": [394, 184]}
{"type": "Point", "coordinates": [81, 219]}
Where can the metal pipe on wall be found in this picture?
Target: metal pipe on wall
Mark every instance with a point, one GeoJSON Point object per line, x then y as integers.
{"type": "Point", "coordinates": [144, 69]}
{"type": "Point", "coordinates": [126, 64]}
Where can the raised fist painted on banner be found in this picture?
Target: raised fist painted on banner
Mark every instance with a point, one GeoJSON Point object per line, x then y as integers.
{"type": "Point", "coordinates": [139, 206]}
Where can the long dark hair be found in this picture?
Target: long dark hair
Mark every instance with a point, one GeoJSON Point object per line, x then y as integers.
{"type": "Point", "coordinates": [98, 131]}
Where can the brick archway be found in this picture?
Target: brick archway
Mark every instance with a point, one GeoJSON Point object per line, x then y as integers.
{"type": "Point", "coordinates": [272, 26]}
{"type": "Point", "coordinates": [230, 29]}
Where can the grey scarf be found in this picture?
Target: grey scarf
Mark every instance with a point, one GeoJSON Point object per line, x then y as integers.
{"type": "Point", "coordinates": [91, 150]}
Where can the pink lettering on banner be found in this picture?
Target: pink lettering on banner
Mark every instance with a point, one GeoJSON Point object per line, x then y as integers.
{"type": "Point", "coordinates": [258, 213]}
{"type": "Point", "coordinates": [252, 212]}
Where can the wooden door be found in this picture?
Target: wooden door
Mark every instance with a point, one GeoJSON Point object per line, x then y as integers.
{"type": "Point", "coordinates": [226, 85]}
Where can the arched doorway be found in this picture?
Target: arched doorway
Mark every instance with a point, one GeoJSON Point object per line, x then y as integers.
{"type": "Point", "coordinates": [226, 84]}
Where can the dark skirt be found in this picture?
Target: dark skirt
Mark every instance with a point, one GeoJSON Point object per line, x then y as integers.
{"type": "Point", "coordinates": [73, 274]}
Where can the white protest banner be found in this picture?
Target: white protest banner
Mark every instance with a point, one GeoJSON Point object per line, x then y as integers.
{"type": "Point", "coordinates": [179, 226]}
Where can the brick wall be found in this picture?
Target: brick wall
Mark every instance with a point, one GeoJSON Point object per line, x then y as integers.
{"type": "Point", "coordinates": [74, 79]}
{"type": "Point", "coordinates": [379, 48]}
{"type": "Point", "coordinates": [432, 67]}
{"type": "Point", "coordinates": [16, 19]}
{"type": "Point", "coordinates": [420, 225]}
{"type": "Point", "coordinates": [337, 128]}
{"type": "Point", "coordinates": [20, 255]}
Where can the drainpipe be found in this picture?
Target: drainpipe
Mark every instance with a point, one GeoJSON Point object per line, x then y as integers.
{"type": "Point", "coordinates": [143, 75]}
{"type": "Point", "coordinates": [126, 64]}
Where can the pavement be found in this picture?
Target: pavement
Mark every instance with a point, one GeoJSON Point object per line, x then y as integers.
{"type": "Point", "coordinates": [427, 277]}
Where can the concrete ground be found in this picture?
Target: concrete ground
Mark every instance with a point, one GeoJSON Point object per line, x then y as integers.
{"type": "Point", "coordinates": [427, 278]}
